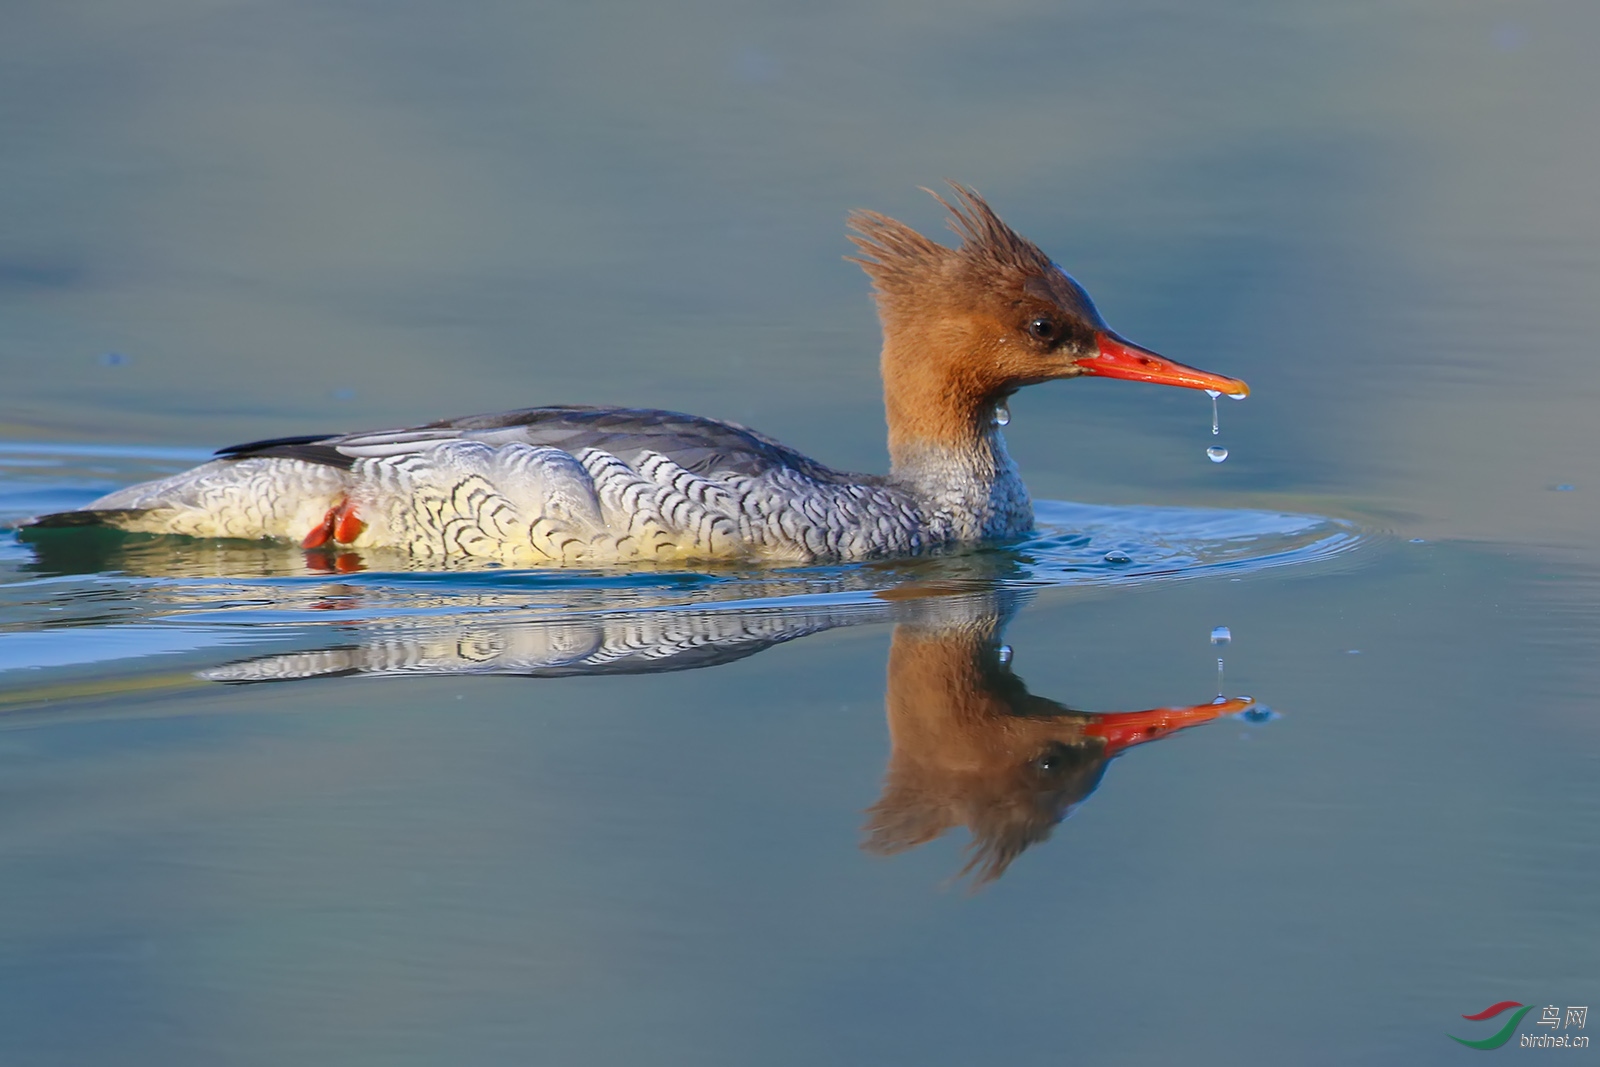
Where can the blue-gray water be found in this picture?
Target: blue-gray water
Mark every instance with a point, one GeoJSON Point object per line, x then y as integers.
{"type": "Point", "coordinates": [255, 812]}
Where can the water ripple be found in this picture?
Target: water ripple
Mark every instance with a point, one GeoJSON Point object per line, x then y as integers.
{"type": "Point", "coordinates": [104, 580]}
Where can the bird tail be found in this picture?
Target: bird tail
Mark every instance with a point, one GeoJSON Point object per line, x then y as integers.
{"type": "Point", "coordinates": [99, 518]}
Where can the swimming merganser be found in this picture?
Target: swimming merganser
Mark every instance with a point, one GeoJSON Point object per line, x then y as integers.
{"type": "Point", "coordinates": [963, 329]}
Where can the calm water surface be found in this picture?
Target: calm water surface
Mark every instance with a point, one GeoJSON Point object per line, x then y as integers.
{"type": "Point", "coordinates": [260, 806]}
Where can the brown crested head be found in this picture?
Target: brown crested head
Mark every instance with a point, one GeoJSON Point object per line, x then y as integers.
{"type": "Point", "coordinates": [965, 327]}
{"type": "Point", "coordinates": [1000, 282]}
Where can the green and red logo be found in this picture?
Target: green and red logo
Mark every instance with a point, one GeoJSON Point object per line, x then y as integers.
{"type": "Point", "coordinates": [1504, 1033]}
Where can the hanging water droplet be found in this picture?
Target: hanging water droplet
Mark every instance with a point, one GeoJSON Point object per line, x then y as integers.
{"type": "Point", "coordinates": [1002, 414]}
{"type": "Point", "coordinates": [1216, 453]}
{"type": "Point", "coordinates": [1221, 635]}
{"type": "Point", "coordinates": [1118, 557]}
{"type": "Point", "coordinates": [1237, 396]}
{"type": "Point", "coordinates": [1004, 653]}
{"type": "Point", "coordinates": [1216, 427]}
{"type": "Point", "coordinates": [1213, 393]}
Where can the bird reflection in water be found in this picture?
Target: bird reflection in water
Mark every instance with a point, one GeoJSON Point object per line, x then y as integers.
{"type": "Point", "coordinates": [971, 746]}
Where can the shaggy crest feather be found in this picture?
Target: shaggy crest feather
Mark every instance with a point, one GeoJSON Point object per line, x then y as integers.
{"type": "Point", "coordinates": [897, 257]}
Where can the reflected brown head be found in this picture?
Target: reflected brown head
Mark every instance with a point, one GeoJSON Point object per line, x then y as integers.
{"type": "Point", "coordinates": [970, 746]}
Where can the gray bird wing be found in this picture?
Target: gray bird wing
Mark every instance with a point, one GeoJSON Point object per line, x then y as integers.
{"type": "Point", "coordinates": [704, 446]}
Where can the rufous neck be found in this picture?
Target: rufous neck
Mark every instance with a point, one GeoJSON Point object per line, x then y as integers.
{"type": "Point", "coordinates": [932, 402]}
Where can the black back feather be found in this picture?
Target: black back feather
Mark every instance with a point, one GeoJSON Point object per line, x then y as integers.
{"type": "Point", "coordinates": [312, 448]}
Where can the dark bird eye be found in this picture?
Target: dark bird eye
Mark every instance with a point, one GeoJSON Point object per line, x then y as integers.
{"type": "Point", "coordinates": [1042, 328]}
{"type": "Point", "coordinates": [1052, 759]}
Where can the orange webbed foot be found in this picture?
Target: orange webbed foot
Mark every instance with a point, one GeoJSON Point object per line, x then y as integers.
{"type": "Point", "coordinates": [341, 524]}
{"type": "Point", "coordinates": [348, 526]}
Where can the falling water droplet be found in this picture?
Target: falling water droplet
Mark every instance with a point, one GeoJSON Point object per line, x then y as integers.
{"type": "Point", "coordinates": [1216, 453]}
{"type": "Point", "coordinates": [1221, 635]}
{"type": "Point", "coordinates": [1005, 653]}
{"type": "Point", "coordinates": [1002, 414]}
